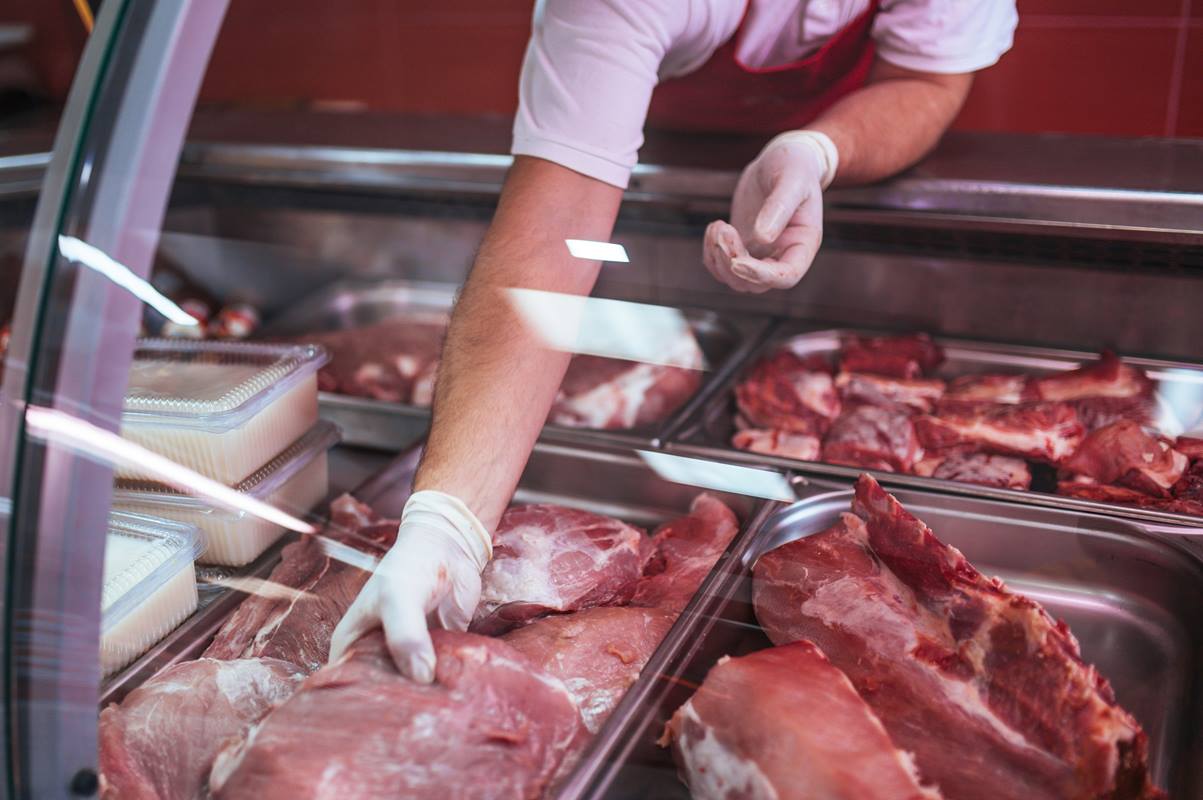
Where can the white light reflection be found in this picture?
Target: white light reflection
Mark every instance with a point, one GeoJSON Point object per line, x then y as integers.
{"type": "Point", "coordinates": [720, 477]}
{"type": "Point", "coordinates": [597, 251]}
{"type": "Point", "coordinates": [63, 429]}
{"type": "Point", "coordinates": [348, 554]}
{"type": "Point", "coordinates": [270, 590]}
{"type": "Point", "coordinates": [96, 259]}
{"type": "Point", "coordinates": [614, 328]}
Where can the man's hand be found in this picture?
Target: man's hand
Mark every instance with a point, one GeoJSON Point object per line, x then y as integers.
{"type": "Point", "coordinates": [777, 215]}
{"type": "Point", "coordinates": [431, 576]}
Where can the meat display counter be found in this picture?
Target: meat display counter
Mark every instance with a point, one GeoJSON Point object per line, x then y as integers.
{"type": "Point", "coordinates": [186, 519]}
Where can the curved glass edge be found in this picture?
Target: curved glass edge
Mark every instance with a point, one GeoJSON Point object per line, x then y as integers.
{"type": "Point", "coordinates": [75, 324]}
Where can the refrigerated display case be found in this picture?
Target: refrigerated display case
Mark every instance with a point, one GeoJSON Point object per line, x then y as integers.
{"type": "Point", "coordinates": [1031, 251]}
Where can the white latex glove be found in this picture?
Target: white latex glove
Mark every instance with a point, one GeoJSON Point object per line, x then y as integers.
{"type": "Point", "coordinates": [430, 576]}
{"type": "Point", "coordinates": [777, 215]}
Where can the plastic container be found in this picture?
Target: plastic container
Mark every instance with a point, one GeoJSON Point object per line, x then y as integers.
{"type": "Point", "coordinates": [223, 409]}
{"type": "Point", "coordinates": [295, 481]}
{"type": "Point", "coordinates": [149, 585]}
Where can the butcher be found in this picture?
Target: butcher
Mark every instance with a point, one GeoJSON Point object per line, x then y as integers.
{"type": "Point", "coordinates": [851, 90]}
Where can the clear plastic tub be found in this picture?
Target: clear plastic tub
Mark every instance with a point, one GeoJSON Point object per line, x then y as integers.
{"type": "Point", "coordinates": [149, 585]}
{"type": "Point", "coordinates": [295, 481]}
{"type": "Point", "coordinates": [223, 409]}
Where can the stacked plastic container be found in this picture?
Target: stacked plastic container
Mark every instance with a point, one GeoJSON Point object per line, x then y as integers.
{"type": "Point", "coordinates": [245, 415]}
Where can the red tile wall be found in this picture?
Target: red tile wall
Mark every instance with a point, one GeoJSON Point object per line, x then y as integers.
{"type": "Point", "coordinates": [1125, 67]}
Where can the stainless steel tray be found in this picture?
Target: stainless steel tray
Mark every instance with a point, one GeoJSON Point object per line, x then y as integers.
{"type": "Point", "coordinates": [725, 339]}
{"type": "Point", "coordinates": [707, 432]}
{"type": "Point", "coordinates": [1131, 599]}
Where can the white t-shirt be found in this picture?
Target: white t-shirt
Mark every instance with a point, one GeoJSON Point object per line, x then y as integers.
{"type": "Point", "coordinates": [591, 65]}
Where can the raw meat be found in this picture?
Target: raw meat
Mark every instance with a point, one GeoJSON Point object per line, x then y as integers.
{"type": "Point", "coordinates": [608, 393]}
{"type": "Point", "coordinates": [598, 653]}
{"type": "Point", "coordinates": [1189, 487]}
{"type": "Point", "coordinates": [874, 437]}
{"type": "Point", "coordinates": [1124, 454]}
{"type": "Point", "coordinates": [1040, 431]}
{"type": "Point", "coordinates": [492, 725]}
{"type": "Point", "coordinates": [1107, 377]}
{"type": "Point", "coordinates": [788, 393]}
{"type": "Point", "coordinates": [381, 361]}
{"type": "Point", "coordinates": [160, 741]}
{"type": "Point", "coordinates": [306, 594]}
{"type": "Point", "coordinates": [984, 469]}
{"type": "Point", "coordinates": [978, 682]}
{"type": "Point", "coordinates": [910, 356]}
{"type": "Point", "coordinates": [682, 553]}
{"type": "Point", "coordinates": [988, 388]}
{"type": "Point", "coordinates": [1184, 503]}
{"type": "Point", "coordinates": [801, 446]}
{"type": "Point", "coordinates": [1098, 412]}
{"type": "Point", "coordinates": [921, 394]}
{"type": "Point", "coordinates": [783, 723]}
{"type": "Point", "coordinates": [553, 559]}
{"type": "Point", "coordinates": [1190, 447]}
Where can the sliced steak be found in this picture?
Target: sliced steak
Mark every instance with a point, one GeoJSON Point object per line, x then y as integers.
{"type": "Point", "coordinates": [1124, 454]}
{"type": "Point", "coordinates": [683, 551]}
{"type": "Point", "coordinates": [1048, 432]}
{"type": "Point", "coordinates": [909, 356]}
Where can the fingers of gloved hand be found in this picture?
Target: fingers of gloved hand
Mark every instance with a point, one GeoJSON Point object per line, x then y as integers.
{"type": "Point", "coordinates": [790, 190]}
{"type": "Point", "coordinates": [403, 618]}
{"type": "Point", "coordinates": [455, 609]}
{"type": "Point", "coordinates": [360, 618]}
{"type": "Point", "coordinates": [721, 246]}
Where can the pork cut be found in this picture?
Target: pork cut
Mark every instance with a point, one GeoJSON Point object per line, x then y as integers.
{"type": "Point", "coordinates": [987, 388]}
{"type": "Point", "coordinates": [382, 361]}
{"type": "Point", "coordinates": [789, 393]}
{"type": "Point", "coordinates": [549, 558]}
{"type": "Point", "coordinates": [1184, 501]}
{"type": "Point", "coordinates": [978, 682]}
{"type": "Point", "coordinates": [1107, 377]}
{"type": "Point", "coordinates": [801, 446]}
{"type": "Point", "coordinates": [682, 553]}
{"type": "Point", "coordinates": [1040, 431]}
{"type": "Point", "coordinates": [1190, 446]}
{"type": "Point", "coordinates": [920, 394]}
{"type": "Point", "coordinates": [984, 469]}
{"type": "Point", "coordinates": [609, 393]}
{"type": "Point", "coordinates": [296, 611]}
{"type": "Point", "coordinates": [909, 356]}
{"type": "Point", "coordinates": [875, 437]}
{"type": "Point", "coordinates": [784, 724]}
{"type": "Point", "coordinates": [1124, 454]}
{"type": "Point", "coordinates": [597, 653]}
{"type": "Point", "coordinates": [160, 741]}
{"type": "Point", "coordinates": [492, 725]}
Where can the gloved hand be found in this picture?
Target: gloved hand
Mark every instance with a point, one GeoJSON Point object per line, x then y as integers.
{"type": "Point", "coordinates": [430, 576]}
{"type": "Point", "coordinates": [776, 215]}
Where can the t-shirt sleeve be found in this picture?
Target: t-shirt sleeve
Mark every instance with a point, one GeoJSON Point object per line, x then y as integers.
{"type": "Point", "coordinates": [587, 78]}
{"type": "Point", "coordinates": [944, 36]}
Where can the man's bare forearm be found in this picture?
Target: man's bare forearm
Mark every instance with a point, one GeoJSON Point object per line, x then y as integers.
{"type": "Point", "coordinates": [497, 381]}
{"type": "Point", "coordinates": [892, 121]}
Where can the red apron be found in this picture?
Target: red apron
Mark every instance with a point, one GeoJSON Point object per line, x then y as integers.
{"type": "Point", "coordinates": [726, 96]}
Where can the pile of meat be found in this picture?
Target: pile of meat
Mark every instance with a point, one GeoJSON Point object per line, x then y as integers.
{"type": "Point", "coordinates": [573, 604]}
{"type": "Point", "coordinates": [900, 671]}
{"type": "Point", "coordinates": [396, 361]}
{"type": "Point", "coordinates": [879, 405]}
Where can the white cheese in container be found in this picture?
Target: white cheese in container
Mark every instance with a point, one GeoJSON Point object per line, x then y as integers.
{"type": "Point", "coordinates": [149, 585]}
{"type": "Point", "coordinates": [223, 409]}
{"type": "Point", "coordinates": [294, 481]}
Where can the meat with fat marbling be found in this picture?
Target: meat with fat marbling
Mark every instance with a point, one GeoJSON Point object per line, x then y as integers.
{"type": "Point", "coordinates": [1107, 377]}
{"type": "Point", "coordinates": [549, 558]}
{"type": "Point", "coordinates": [1124, 454]}
{"type": "Point", "coordinates": [1040, 431]}
{"type": "Point", "coordinates": [789, 393]}
{"type": "Point", "coordinates": [784, 724]}
{"type": "Point", "coordinates": [873, 437]}
{"type": "Point", "coordinates": [294, 613]}
{"type": "Point", "coordinates": [598, 653]}
{"type": "Point", "coordinates": [160, 741]}
{"type": "Point", "coordinates": [919, 394]}
{"type": "Point", "coordinates": [978, 682]}
{"type": "Point", "coordinates": [801, 446]}
{"type": "Point", "coordinates": [683, 551]}
{"type": "Point", "coordinates": [907, 356]}
{"type": "Point", "coordinates": [491, 726]}
{"type": "Point", "coordinates": [984, 469]}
